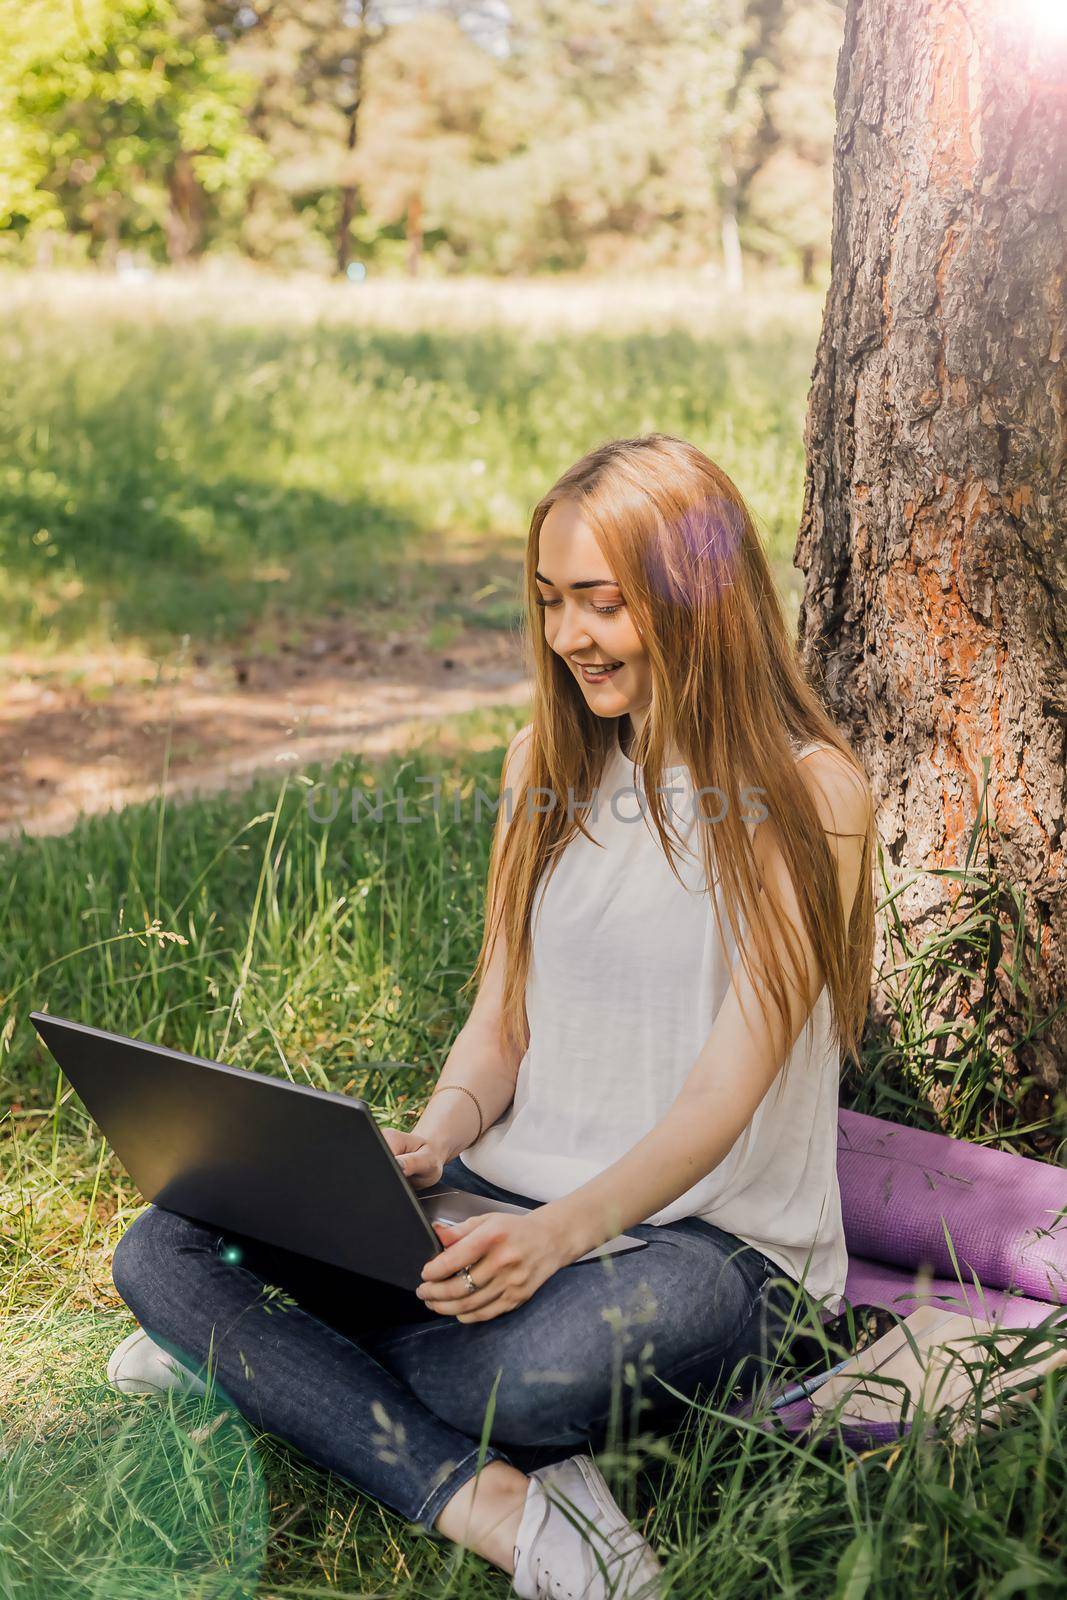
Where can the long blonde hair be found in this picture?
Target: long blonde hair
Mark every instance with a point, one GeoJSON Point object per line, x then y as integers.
{"type": "Point", "coordinates": [728, 691]}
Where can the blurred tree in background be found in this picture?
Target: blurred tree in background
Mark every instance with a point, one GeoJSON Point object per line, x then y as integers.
{"type": "Point", "coordinates": [535, 135]}
{"type": "Point", "coordinates": [429, 128]}
{"type": "Point", "coordinates": [124, 122]}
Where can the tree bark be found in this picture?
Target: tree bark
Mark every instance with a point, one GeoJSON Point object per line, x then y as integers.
{"type": "Point", "coordinates": [935, 608]}
{"type": "Point", "coordinates": [184, 225]}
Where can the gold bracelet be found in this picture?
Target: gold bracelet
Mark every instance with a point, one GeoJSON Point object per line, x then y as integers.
{"type": "Point", "coordinates": [445, 1086]}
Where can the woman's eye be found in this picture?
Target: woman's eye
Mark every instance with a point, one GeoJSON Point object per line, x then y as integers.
{"type": "Point", "coordinates": [602, 611]}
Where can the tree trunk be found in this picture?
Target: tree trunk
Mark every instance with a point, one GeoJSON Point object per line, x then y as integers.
{"type": "Point", "coordinates": [184, 221]}
{"type": "Point", "coordinates": [349, 197]}
{"type": "Point", "coordinates": [932, 532]}
{"type": "Point", "coordinates": [349, 189]}
{"type": "Point", "coordinates": [742, 152]}
{"type": "Point", "coordinates": [413, 228]}
{"type": "Point", "coordinates": [733, 260]}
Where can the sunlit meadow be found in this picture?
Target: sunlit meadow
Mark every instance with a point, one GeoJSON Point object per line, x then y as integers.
{"type": "Point", "coordinates": [194, 456]}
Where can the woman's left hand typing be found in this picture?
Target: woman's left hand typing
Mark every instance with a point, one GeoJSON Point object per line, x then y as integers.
{"type": "Point", "coordinates": [508, 1257]}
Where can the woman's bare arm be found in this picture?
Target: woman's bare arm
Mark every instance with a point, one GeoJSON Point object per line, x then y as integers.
{"type": "Point", "coordinates": [475, 1063]}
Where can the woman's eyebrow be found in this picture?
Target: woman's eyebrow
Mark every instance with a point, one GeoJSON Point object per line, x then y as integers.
{"type": "Point", "coordinates": [584, 583]}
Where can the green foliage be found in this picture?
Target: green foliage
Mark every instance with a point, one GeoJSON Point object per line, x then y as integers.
{"type": "Point", "coordinates": [128, 1501]}
{"type": "Point", "coordinates": [961, 1004]}
{"type": "Point", "coordinates": [117, 114]}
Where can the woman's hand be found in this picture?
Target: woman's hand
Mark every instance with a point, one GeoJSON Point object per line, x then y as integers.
{"type": "Point", "coordinates": [509, 1257]}
{"type": "Point", "coordinates": [419, 1158]}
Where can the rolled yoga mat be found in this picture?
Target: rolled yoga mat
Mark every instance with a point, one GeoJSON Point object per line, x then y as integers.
{"type": "Point", "coordinates": [1006, 1214]}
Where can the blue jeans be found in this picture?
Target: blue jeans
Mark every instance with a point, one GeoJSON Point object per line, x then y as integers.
{"type": "Point", "coordinates": [365, 1380]}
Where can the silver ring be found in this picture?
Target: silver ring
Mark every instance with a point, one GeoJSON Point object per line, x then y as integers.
{"type": "Point", "coordinates": [465, 1274]}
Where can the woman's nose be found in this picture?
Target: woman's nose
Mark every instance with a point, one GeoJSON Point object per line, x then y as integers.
{"type": "Point", "coordinates": [571, 635]}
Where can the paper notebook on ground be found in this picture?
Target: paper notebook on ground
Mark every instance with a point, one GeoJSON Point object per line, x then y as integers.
{"type": "Point", "coordinates": [878, 1381]}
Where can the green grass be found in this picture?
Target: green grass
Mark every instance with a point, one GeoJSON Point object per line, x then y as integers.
{"type": "Point", "coordinates": [164, 474]}
{"type": "Point", "coordinates": [131, 1502]}
{"type": "Point", "coordinates": [240, 928]}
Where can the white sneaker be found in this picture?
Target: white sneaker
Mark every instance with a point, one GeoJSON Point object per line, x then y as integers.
{"type": "Point", "coordinates": [574, 1543]}
{"type": "Point", "coordinates": [139, 1366]}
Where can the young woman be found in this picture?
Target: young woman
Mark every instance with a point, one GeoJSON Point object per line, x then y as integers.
{"type": "Point", "coordinates": [629, 1063]}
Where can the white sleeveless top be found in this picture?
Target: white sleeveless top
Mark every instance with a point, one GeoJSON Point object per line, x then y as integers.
{"type": "Point", "coordinates": [627, 973]}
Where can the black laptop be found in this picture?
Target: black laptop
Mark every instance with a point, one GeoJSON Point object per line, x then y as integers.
{"type": "Point", "coordinates": [301, 1168]}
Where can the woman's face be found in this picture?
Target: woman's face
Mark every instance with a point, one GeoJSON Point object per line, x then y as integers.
{"type": "Point", "coordinates": [586, 617]}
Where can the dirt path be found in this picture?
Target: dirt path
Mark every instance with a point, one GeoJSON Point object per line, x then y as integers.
{"type": "Point", "coordinates": [83, 734]}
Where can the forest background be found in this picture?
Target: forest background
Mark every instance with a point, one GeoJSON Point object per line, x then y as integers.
{"type": "Point", "coordinates": [360, 136]}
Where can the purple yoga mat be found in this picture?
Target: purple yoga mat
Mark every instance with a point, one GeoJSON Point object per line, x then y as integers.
{"type": "Point", "coordinates": [900, 1189]}
{"type": "Point", "coordinates": [873, 1283]}
{"type": "Point", "coordinates": [1006, 1214]}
